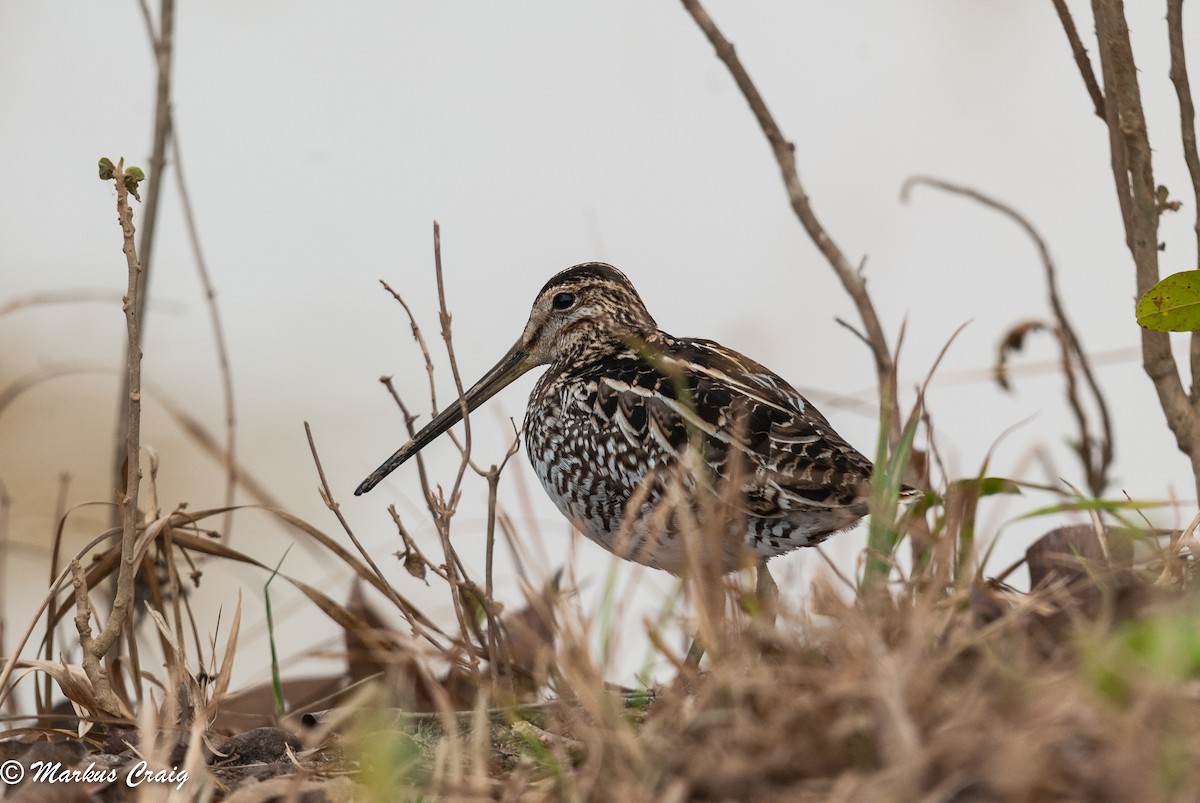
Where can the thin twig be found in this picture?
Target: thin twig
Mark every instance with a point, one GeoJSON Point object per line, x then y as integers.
{"type": "Point", "coordinates": [412, 551]}
{"type": "Point", "coordinates": [163, 44]}
{"type": "Point", "coordinates": [1187, 109]}
{"type": "Point", "coordinates": [852, 280]}
{"type": "Point", "coordinates": [849, 327]}
{"type": "Point", "coordinates": [1187, 135]}
{"type": "Point", "coordinates": [420, 338]}
{"type": "Point", "coordinates": [448, 505]}
{"type": "Point", "coordinates": [489, 592]}
{"type": "Point", "coordinates": [209, 443]}
{"type": "Point", "coordinates": [5, 512]}
{"type": "Point", "coordinates": [440, 511]}
{"type": "Point", "coordinates": [444, 318]}
{"type": "Point", "coordinates": [335, 508]}
{"type": "Point", "coordinates": [1081, 56]}
{"type": "Point", "coordinates": [409, 417]}
{"type": "Point", "coordinates": [59, 297]}
{"type": "Point", "coordinates": [1095, 466]}
{"type": "Point", "coordinates": [60, 516]}
{"type": "Point", "coordinates": [218, 330]}
{"type": "Point", "coordinates": [495, 645]}
{"type": "Point", "coordinates": [165, 133]}
{"type": "Point", "coordinates": [836, 571]}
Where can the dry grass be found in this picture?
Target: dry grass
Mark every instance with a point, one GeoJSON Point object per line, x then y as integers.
{"type": "Point", "coordinates": [937, 688]}
{"type": "Point", "coordinates": [916, 679]}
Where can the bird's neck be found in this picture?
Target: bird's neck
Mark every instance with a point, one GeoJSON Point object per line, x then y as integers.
{"type": "Point", "coordinates": [588, 353]}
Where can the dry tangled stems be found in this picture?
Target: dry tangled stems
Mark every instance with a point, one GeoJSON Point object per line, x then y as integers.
{"type": "Point", "coordinates": [1121, 108]}
{"type": "Point", "coordinates": [851, 277]}
{"type": "Point", "coordinates": [1094, 449]}
{"type": "Point", "coordinates": [953, 690]}
{"type": "Point", "coordinates": [959, 690]}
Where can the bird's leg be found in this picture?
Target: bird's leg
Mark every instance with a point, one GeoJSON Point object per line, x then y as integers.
{"type": "Point", "coordinates": [694, 653]}
{"type": "Point", "coordinates": [766, 591]}
{"type": "Point", "coordinates": [767, 595]}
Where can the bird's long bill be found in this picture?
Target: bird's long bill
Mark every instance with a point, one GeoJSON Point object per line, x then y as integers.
{"type": "Point", "coordinates": [511, 366]}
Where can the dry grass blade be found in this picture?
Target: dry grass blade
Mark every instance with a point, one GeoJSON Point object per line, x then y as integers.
{"type": "Point", "coordinates": [407, 608]}
{"type": "Point", "coordinates": [201, 436]}
{"type": "Point", "coordinates": [59, 297]}
{"type": "Point", "coordinates": [956, 687]}
{"type": "Point", "coordinates": [74, 683]}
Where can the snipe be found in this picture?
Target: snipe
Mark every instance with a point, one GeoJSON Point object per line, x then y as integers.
{"type": "Point", "coordinates": [641, 438]}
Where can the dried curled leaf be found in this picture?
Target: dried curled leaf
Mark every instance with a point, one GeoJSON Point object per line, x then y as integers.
{"type": "Point", "coordinates": [1012, 342]}
{"type": "Point", "coordinates": [414, 564]}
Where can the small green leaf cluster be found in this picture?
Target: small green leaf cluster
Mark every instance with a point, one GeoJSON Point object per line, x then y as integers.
{"type": "Point", "coordinates": [130, 176]}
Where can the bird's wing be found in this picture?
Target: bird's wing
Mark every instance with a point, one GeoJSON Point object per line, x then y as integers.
{"type": "Point", "coordinates": [800, 460]}
{"type": "Point", "coordinates": [748, 422]}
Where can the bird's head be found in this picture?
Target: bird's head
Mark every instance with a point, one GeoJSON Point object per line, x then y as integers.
{"type": "Point", "coordinates": [583, 313]}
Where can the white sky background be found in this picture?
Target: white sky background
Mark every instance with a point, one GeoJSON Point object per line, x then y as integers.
{"type": "Point", "coordinates": [319, 145]}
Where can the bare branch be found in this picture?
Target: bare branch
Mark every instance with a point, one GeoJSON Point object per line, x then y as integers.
{"type": "Point", "coordinates": [128, 506]}
{"type": "Point", "coordinates": [851, 279]}
{"type": "Point", "coordinates": [58, 297]}
{"type": "Point", "coordinates": [163, 45]}
{"type": "Point", "coordinates": [1187, 134]}
{"type": "Point", "coordinates": [336, 509]}
{"type": "Point", "coordinates": [849, 327]}
{"type": "Point", "coordinates": [1133, 175]}
{"type": "Point", "coordinates": [1187, 110]}
{"type": "Point", "coordinates": [60, 514]}
{"type": "Point", "coordinates": [1081, 57]}
{"type": "Point", "coordinates": [420, 338]}
{"type": "Point", "coordinates": [214, 316]}
{"type": "Point", "coordinates": [449, 504]}
{"type": "Point", "coordinates": [409, 418]}
{"type": "Point", "coordinates": [91, 652]}
{"type": "Point", "coordinates": [5, 512]}
{"type": "Point", "coordinates": [444, 318]}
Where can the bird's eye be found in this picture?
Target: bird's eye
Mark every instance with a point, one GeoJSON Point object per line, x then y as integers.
{"type": "Point", "coordinates": [563, 301]}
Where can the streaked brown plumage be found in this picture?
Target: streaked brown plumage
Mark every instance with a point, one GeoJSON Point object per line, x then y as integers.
{"type": "Point", "coordinates": [638, 436]}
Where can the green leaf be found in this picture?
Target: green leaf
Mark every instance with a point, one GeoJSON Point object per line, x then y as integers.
{"type": "Point", "coordinates": [990, 486]}
{"type": "Point", "coordinates": [1163, 648]}
{"type": "Point", "coordinates": [1082, 504]}
{"type": "Point", "coordinates": [1172, 305]}
{"type": "Point", "coordinates": [131, 184]}
{"type": "Point", "coordinates": [107, 169]}
{"type": "Point", "coordinates": [135, 173]}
